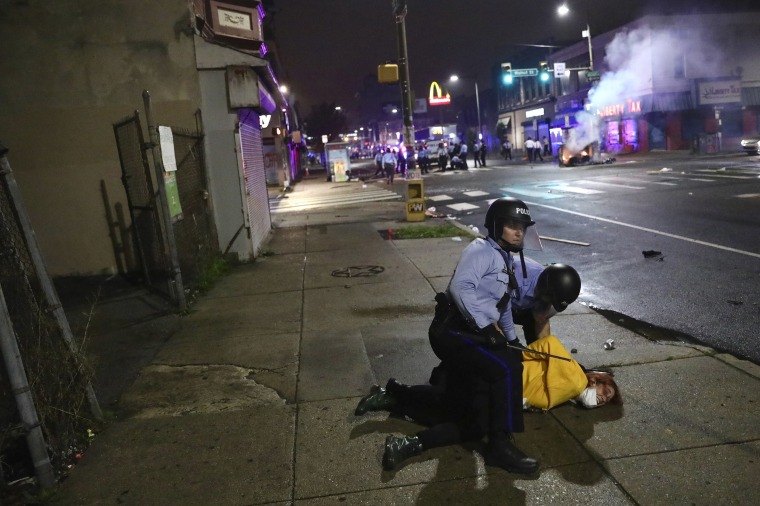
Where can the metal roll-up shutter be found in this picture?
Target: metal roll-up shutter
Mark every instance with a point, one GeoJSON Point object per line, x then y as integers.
{"type": "Point", "coordinates": [255, 177]}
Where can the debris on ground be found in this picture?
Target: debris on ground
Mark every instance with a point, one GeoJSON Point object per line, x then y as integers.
{"type": "Point", "coordinates": [650, 253]}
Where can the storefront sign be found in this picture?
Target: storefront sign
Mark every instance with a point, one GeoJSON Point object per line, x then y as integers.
{"type": "Point", "coordinates": [534, 113]}
{"type": "Point", "coordinates": [435, 97]}
{"type": "Point", "coordinates": [630, 106]}
{"type": "Point", "coordinates": [720, 92]}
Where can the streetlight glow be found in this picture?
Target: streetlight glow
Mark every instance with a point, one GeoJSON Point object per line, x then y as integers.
{"type": "Point", "coordinates": [337, 108]}
{"type": "Point", "coordinates": [454, 78]}
{"type": "Point", "coordinates": [283, 88]}
{"type": "Point", "coordinates": [563, 10]}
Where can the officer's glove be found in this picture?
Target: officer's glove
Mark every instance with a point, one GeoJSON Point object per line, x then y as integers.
{"type": "Point", "coordinates": [494, 336]}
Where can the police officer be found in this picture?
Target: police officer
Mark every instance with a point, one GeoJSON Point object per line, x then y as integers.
{"type": "Point", "coordinates": [541, 294]}
{"type": "Point", "coordinates": [471, 334]}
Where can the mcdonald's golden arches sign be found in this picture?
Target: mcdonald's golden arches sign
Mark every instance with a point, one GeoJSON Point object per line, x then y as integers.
{"type": "Point", "coordinates": [435, 97]}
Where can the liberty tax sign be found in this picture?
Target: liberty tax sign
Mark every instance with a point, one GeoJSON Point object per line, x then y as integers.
{"type": "Point", "coordinates": [728, 91]}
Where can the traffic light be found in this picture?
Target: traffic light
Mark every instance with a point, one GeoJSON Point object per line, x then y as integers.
{"type": "Point", "coordinates": [506, 73]}
{"type": "Point", "coordinates": [543, 71]}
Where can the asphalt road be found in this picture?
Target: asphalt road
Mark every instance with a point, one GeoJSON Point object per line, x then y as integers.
{"type": "Point", "coordinates": [702, 214]}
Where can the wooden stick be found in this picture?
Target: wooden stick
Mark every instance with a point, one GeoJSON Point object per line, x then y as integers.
{"type": "Point", "coordinates": [568, 241]}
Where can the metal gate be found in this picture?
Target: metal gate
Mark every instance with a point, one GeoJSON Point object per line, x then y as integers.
{"type": "Point", "coordinates": [141, 199]}
{"type": "Point", "coordinates": [194, 234]}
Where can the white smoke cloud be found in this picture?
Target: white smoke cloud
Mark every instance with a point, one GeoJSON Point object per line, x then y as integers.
{"type": "Point", "coordinates": [633, 59]}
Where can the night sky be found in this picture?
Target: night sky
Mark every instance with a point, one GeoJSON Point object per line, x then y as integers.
{"type": "Point", "coordinates": [328, 46]}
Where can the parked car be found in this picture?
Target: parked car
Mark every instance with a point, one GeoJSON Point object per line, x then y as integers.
{"type": "Point", "coordinates": [751, 144]}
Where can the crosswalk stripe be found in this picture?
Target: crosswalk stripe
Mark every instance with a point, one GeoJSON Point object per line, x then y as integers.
{"type": "Point", "coordinates": [666, 183]}
{"type": "Point", "coordinates": [614, 185]}
{"type": "Point", "coordinates": [476, 193]}
{"type": "Point", "coordinates": [533, 193]}
{"type": "Point", "coordinates": [462, 206]}
{"type": "Point", "coordinates": [564, 187]}
{"type": "Point", "coordinates": [748, 195]}
{"type": "Point", "coordinates": [439, 198]}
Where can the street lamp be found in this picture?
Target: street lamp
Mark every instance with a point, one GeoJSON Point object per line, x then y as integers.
{"type": "Point", "coordinates": [564, 10]}
{"type": "Point", "coordinates": [454, 78]}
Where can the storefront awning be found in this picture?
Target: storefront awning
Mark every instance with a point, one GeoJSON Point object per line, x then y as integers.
{"type": "Point", "coordinates": [662, 102]}
{"type": "Point", "coordinates": [750, 96]}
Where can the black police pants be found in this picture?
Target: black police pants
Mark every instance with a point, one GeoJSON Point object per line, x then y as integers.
{"type": "Point", "coordinates": [499, 368]}
{"type": "Point", "coordinates": [452, 417]}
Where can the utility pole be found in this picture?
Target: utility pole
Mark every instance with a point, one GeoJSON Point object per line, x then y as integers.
{"type": "Point", "coordinates": [399, 11]}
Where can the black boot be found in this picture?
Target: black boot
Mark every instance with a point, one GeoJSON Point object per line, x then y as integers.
{"type": "Point", "coordinates": [378, 400]}
{"type": "Point", "coordinates": [502, 452]}
{"type": "Point", "coordinates": [398, 449]}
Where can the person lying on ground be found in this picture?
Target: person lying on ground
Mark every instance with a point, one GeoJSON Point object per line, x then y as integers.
{"type": "Point", "coordinates": [454, 406]}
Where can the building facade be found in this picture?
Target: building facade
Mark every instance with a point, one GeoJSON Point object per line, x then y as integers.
{"type": "Point", "coordinates": [71, 69]}
{"type": "Point", "coordinates": [662, 83]}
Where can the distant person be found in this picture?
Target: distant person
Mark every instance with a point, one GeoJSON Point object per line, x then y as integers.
{"type": "Point", "coordinates": [530, 149]}
{"type": "Point", "coordinates": [424, 159]}
{"type": "Point", "coordinates": [547, 146]}
{"type": "Point", "coordinates": [476, 153]}
{"type": "Point", "coordinates": [507, 147]}
{"type": "Point", "coordinates": [456, 163]}
{"type": "Point", "coordinates": [443, 157]}
{"type": "Point", "coordinates": [380, 170]}
{"type": "Point", "coordinates": [483, 150]}
{"type": "Point", "coordinates": [463, 155]}
{"type": "Point", "coordinates": [389, 164]}
{"type": "Point", "coordinates": [401, 163]}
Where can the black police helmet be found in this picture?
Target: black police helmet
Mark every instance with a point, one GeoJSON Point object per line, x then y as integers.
{"type": "Point", "coordinates": [558, 284]}
{"type": "Point", "coordinates": [504, 209]}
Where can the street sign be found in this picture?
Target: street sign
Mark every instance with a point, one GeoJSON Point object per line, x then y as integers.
{"type": "Point", "coordinates": [593, 75]}
{"type": "Point", "coordinates": [524, 72]}
{"type": "Point", "coordinates": [559, 69]}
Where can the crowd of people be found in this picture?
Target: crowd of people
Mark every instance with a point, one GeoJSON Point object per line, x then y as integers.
{"type": "Point", "coordinates": [453, 156]}
{"type": "Point", "coordinates": [487, 378]}
{"type": "Point", "coordinates": [447, 156]}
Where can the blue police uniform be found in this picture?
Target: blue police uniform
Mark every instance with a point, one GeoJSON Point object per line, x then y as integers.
{"type": "Point", "coordinates": [479, 290]}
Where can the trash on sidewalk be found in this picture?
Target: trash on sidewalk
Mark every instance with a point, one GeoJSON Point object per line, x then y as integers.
{"type": "Point", "coordinates": [431, 213]}
{"type": "Point", "coordinates": [665, 169]}
{"type": "Point", "coordinates": [456, 238]}
{"type": "Point", "coordinates": [609, 344]}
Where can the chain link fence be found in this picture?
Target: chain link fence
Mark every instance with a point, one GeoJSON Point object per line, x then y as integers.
{"type": "Point", "coordinates": [57, 374]}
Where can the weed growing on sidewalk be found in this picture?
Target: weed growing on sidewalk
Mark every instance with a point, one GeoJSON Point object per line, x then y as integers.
{"type": "Point", "coordinates": [216, 267]}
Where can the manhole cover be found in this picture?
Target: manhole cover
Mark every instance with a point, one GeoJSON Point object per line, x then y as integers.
{"type": "Point", "coordinates": [358, 271]}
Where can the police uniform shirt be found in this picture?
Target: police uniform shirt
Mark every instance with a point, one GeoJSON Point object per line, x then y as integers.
{"type": "Point", "coordinates": [480, 282]}
{"type": "Point", "coordinates": [525, 299]}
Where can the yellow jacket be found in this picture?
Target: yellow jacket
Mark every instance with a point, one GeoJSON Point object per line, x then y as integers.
{"type": "Point", "coordinates": [548, 382]}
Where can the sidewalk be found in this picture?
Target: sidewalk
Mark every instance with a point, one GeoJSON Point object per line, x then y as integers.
{"type": "Point", "coordinates": [251, 399]}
